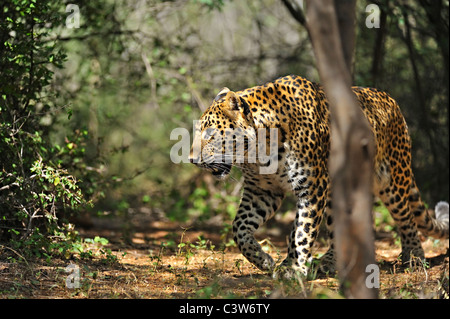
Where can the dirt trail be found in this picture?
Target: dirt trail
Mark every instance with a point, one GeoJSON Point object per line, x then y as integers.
{"type": "Point", "coordinates": [161, 259]}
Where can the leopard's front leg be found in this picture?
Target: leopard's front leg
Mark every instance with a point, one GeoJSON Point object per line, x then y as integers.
{"type": "Point", "coordinates": [311, 194]}
{"type": "Point", "coordinates": [257, 206]}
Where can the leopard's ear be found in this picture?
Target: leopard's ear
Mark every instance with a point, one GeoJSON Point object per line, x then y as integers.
{"type": "Point", "coordinates": [223, 92]}
{"type": "Point", "coordinates": [232, 101]}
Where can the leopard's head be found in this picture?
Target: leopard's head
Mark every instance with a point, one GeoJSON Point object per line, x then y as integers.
{"type": "Point", "coordinates": [222, 134]}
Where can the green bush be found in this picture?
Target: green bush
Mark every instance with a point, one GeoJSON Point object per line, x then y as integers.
{"type": "Point", "coordinates": [36, 188]}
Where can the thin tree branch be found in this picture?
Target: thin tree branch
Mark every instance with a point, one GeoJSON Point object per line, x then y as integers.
{"type": "Point", "coordinates": [90, 35]}
{"type": "Point", "coordinates": [296, 12]}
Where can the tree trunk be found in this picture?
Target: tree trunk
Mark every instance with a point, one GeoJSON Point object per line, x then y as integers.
{"type": "Point", "coordinates": [352, 144]}
{"type": "Point", "coordinates": [378, 50]}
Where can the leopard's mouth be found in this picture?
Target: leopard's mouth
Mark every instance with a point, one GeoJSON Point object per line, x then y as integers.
{"type": "Point", "coordinates": [220, 171]}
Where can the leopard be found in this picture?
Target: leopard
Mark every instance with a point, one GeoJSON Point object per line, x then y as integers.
{"type": "Point", "coordinates": [297, 110]}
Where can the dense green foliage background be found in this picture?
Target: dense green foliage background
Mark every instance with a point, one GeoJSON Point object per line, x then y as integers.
{"type": "Point", "coordinates": [86, 113]}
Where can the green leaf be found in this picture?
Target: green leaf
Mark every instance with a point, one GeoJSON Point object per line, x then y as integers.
{"type": "Point", "coordinates": [101, 240]}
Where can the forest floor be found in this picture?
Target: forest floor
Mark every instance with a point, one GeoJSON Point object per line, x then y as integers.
{"type": "Point", "coordinates": [163, 259]}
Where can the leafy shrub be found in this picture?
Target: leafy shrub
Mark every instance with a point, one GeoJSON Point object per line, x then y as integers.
{"type": "Point", "coordinates": [36, 187]}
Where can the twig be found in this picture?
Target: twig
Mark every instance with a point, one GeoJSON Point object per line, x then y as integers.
{"type": "Point", "coordinates": [296, 11]}
{"type": "Point", "coordinates": [15, 252]}
{"type": "Point", "coordinates": [8, 186]}
{"type": "Point", "coordinates": [151, 75]}
{"type": "Point", "coordinates": [93, 34]}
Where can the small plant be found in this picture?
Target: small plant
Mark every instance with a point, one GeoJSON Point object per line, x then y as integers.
{"type": "Point", "coordinates": [382, 217]}
{"type": "Point", "coordinates": [238, 263]}
{"type": "Point", "coordinates": [226, 236]}
{"type": "Point", "coordinates": [156, 260]}
{"type": "Point", "coordinates": [210, 291]}
{"type": "Point", "coordinates": [185, 248]}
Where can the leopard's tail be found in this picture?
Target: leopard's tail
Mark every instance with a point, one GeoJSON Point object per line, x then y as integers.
{"type": "Point", "coordinates": [436, 226]}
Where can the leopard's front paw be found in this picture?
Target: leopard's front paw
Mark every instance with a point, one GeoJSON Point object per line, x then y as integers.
{"type": "Point", "coordinates": [289, 272]}
{"type": "Point", "coordinates": [327, 263]}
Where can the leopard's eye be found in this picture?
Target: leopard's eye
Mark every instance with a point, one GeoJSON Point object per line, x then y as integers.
{"type": "Point", "coordinates": [208, 133]}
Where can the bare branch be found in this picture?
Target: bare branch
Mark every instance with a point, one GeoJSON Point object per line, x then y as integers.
{"type": "Point", "coordinates": [151, 75]}
{"type": "Point", "coordinates": [296, 11]}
